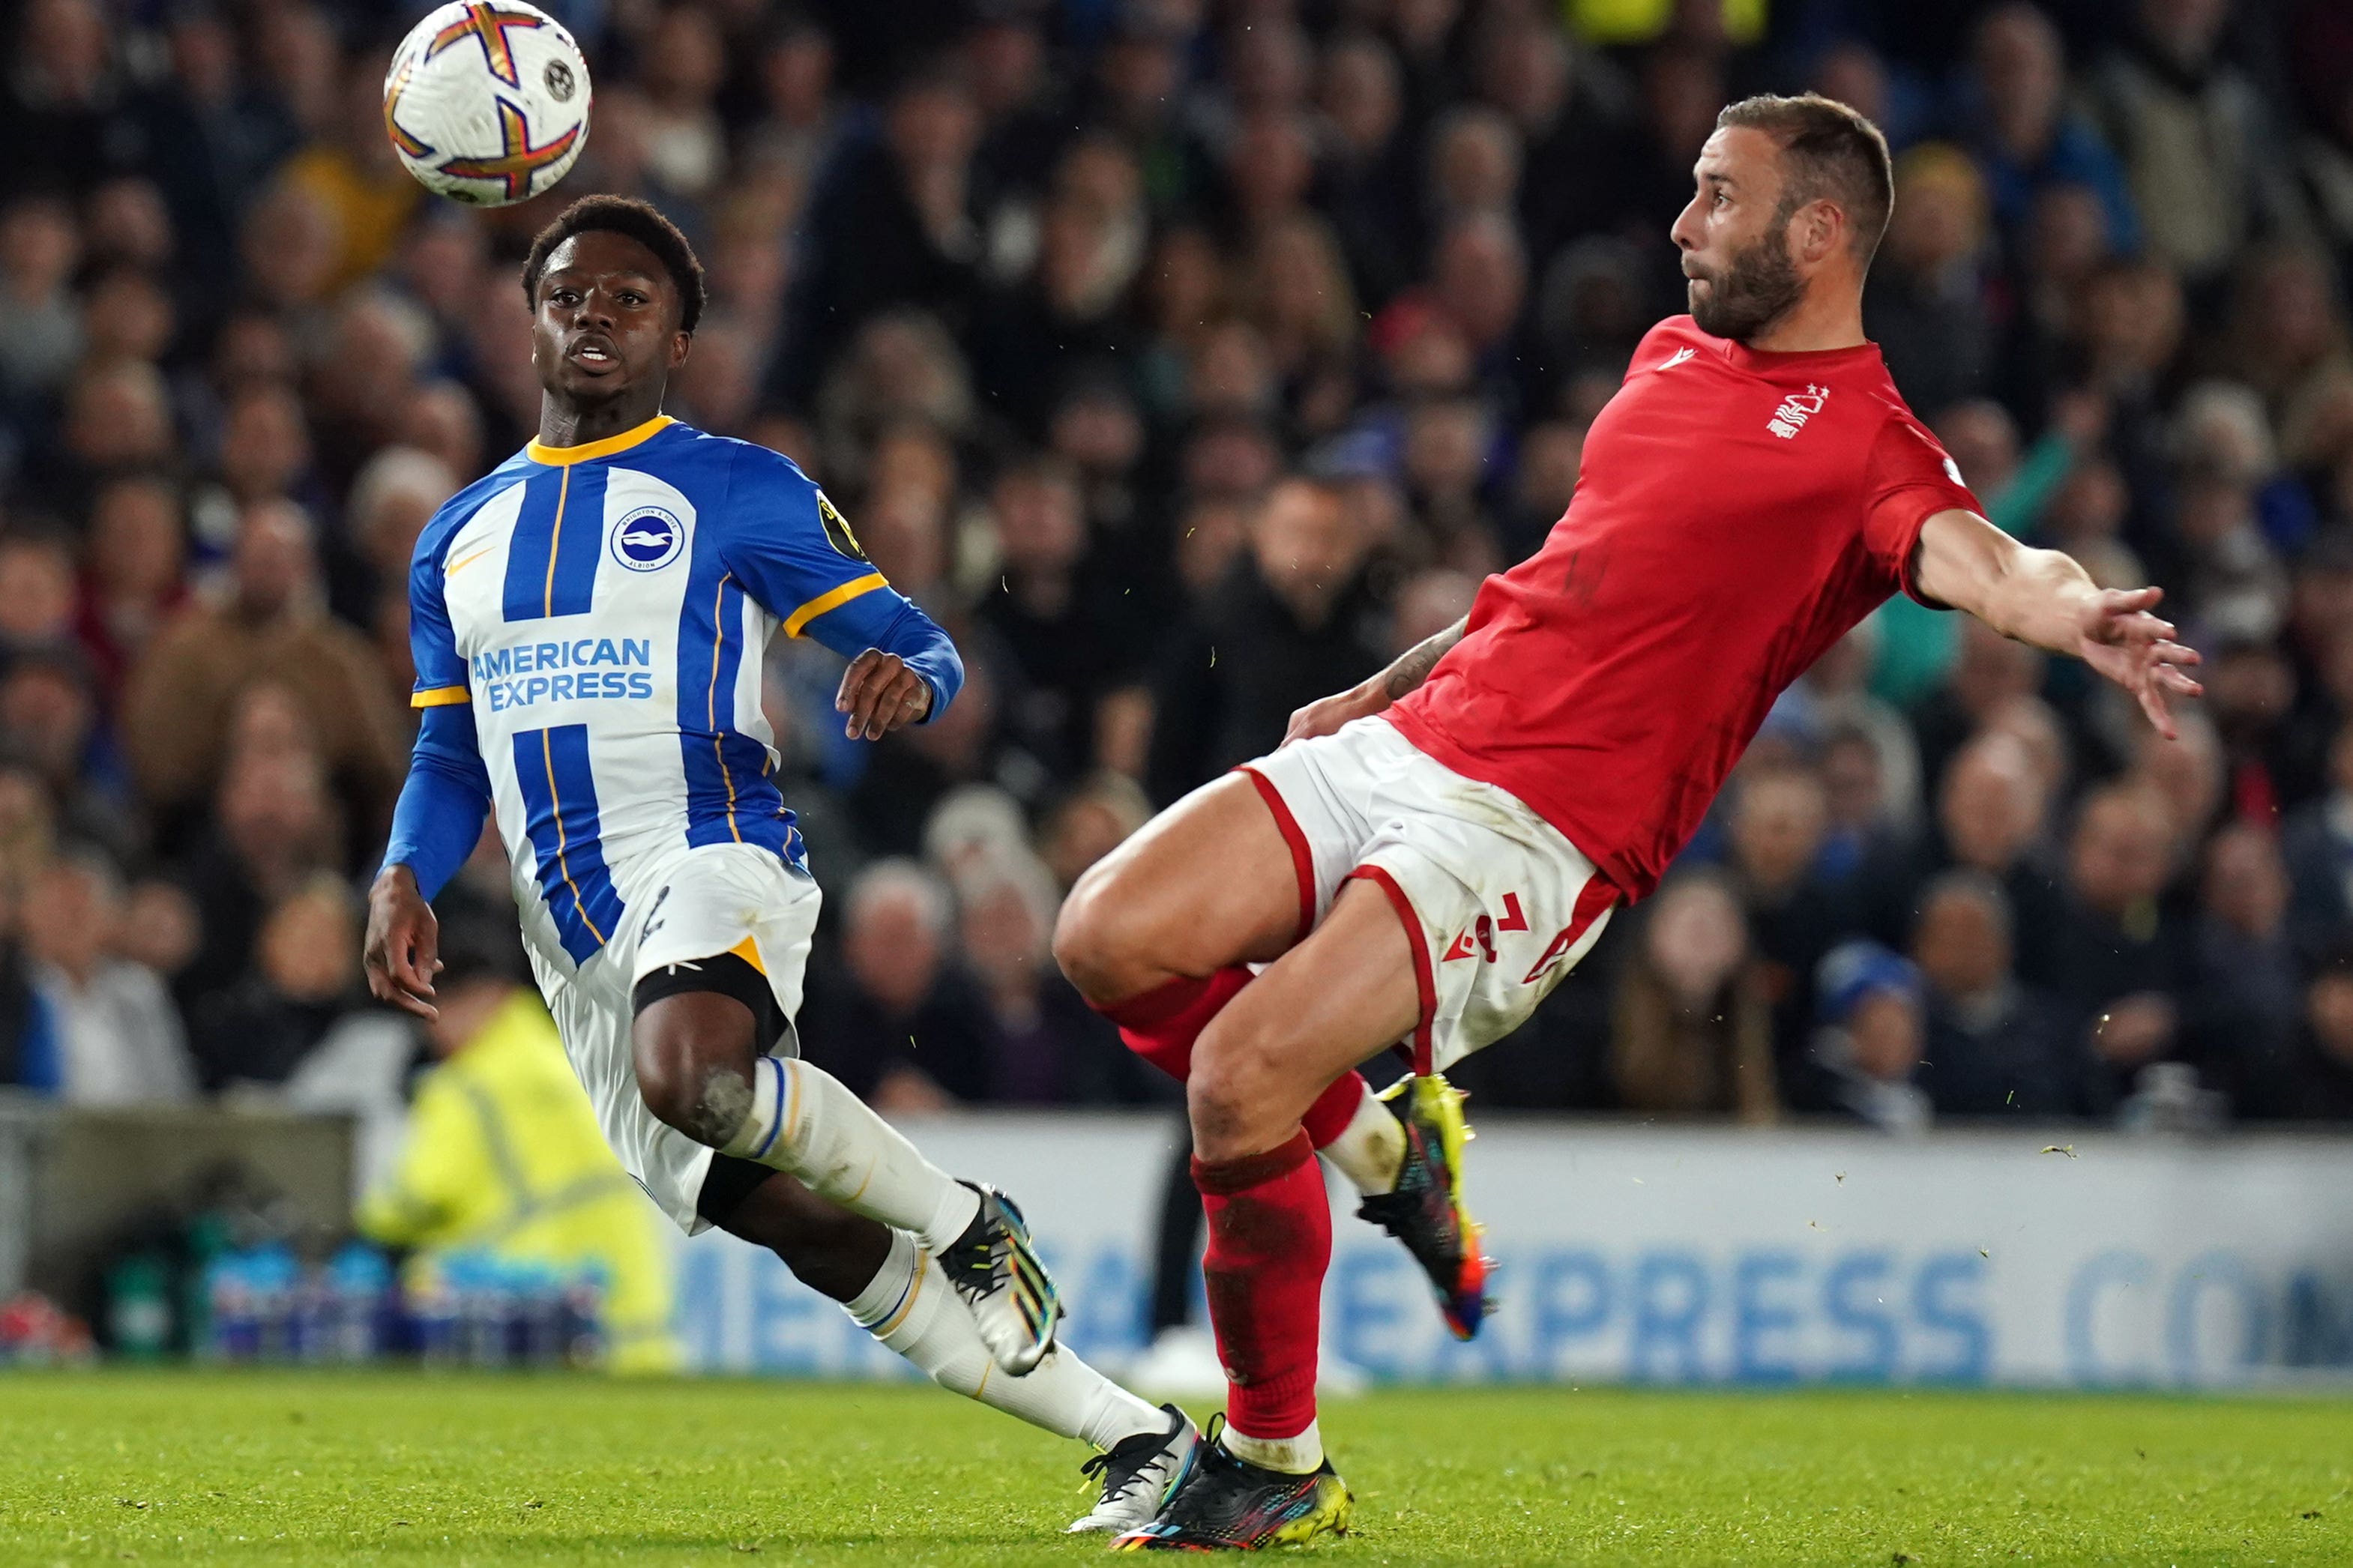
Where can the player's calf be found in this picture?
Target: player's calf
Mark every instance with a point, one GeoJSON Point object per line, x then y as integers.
{"type": "Point", "coordinates": [700, 1042]}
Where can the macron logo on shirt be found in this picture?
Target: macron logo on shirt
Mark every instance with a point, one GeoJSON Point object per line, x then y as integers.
{"type": "Point", "coordinates": [1676, 358]}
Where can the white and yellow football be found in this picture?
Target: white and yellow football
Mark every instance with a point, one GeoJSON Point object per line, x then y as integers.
{"type": "Point", "coordinates": [487, 102]}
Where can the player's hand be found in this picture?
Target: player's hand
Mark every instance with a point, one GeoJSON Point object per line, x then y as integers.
{"type": "Point", "coordinates": [403, 939]}
{"type": "Point", "coordinates": [880, 693]}
{"type": "Point", "coordinates": [2125, 641]}
{"type": "Point", "coordinates": [1326, 714]}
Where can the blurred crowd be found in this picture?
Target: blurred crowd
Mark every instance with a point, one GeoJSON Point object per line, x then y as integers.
{"type": "Point", "coordinates": [1189, 359]}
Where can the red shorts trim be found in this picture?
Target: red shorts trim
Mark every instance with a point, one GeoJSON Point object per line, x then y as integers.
{"type": "Point", "coordinates": [1303, 859]}
{"type": "Point", "coordinates": [1425, 980]}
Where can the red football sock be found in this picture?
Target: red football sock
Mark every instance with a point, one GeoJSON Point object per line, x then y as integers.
{"type": "Point", "coordinates": [1270, 1243]}
{"type": "Point", "coordinates": [1161, 1024]}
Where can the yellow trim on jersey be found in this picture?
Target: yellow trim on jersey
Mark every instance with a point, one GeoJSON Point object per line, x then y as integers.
{"type": "Point", "coordinates": [560, 457]}
{"type": "Point", "coordinates": [749, 952]}
{"type": "Point", "coordinates": [718, 752]}
{"type": "Point", "coordinates": [555, 541]}
{"type": "Point", "coordinates": [833, 599]}
{"type": "Point", "coordinates": [439, 697]}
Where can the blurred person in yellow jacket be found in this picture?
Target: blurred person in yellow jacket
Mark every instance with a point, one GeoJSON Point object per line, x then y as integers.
{"type": "Point", "coordinates": [503, 1155]}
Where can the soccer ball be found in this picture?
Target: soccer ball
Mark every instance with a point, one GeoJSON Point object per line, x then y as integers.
{"type": "Point", "coordinates": [487, 102]}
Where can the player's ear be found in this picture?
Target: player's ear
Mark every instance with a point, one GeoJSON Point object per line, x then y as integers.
{"type": "Point", "coordinates": [1821, 230]}
{"type": "Point", "coordinates": [680, 342]}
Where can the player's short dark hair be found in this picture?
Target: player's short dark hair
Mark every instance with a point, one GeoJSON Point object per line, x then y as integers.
{"type": "Point", "coordinates": [1829, 153]}
{"type": "Point", "coordinates": [641, 222]}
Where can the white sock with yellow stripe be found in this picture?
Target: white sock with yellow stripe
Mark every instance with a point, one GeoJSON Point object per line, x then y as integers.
{"type": "Point", "coordinates": [804, 1121]}
{"type": "Point", "coordinates": [909, 1307]}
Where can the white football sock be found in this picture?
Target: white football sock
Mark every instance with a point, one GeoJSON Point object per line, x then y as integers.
{"type": "Point", "coordinates": [1371, 1149]}
{"type": "Point", "coordinates": [911, 1309]}
{"type": "Point", "coordinates": [804, 1121]}
{"type": "Point", "coordinates": [1296, 1456]}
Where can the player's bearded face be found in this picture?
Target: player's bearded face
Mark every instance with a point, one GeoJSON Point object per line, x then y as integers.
{"type": "Point", "coordinates": [1740, 297]}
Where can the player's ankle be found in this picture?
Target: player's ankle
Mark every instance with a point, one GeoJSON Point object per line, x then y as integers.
{"type": "Point", "coordinates": [1370, 1149]}
{"type": "Point", "coordinates": [959, 1206]}
{"type": "Point", "coordinates": [1297, 1455]}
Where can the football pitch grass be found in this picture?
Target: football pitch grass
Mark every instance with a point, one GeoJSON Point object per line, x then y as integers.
{"type": "Point", "coordinates": [325, 1469]}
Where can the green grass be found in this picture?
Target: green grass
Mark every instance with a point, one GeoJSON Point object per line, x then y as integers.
{"type": "Point", "coordinates": [322, 1469]}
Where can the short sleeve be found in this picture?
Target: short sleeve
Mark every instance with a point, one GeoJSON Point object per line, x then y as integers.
{"type": "Point", "coordinates": [432, 641]}
{"type": "Point", "coordinates": [1911, 479]}
{"type": "Point", "coordinates": [788, 544]}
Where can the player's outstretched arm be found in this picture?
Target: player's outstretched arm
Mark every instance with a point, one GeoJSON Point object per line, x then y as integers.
{"type": "Point", "coordinates": [434, 827]}
{"type": "Point", "coordinates": [1412, 667]}
{"type": "Point", "coordinates": [2044, 597]}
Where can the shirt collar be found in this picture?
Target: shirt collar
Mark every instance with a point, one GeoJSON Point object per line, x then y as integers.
{"type": "Point", "coordinates": [588, 451]}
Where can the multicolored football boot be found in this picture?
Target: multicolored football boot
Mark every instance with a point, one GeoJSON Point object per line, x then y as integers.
{"type": "Point", "coordinates": [1426, 1209]}
{"type": "Point", "coordinates": [995, 1268]}
{"type": "Point", "coordinates": [1224, 1504]}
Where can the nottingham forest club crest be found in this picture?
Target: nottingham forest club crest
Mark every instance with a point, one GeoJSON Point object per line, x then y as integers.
{"type": "Point", "coordinates": [837, 528]}
{"type": "Point", "coordinates": [648, 539]}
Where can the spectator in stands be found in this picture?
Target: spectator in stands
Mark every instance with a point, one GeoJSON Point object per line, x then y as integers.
{"type": "Point", "coordinates": [132, 574]}
{"type": "Point", "coordinates": [272, 625]}
{"type": "Point", "coordinates": [36, 591]}
{"type": "Point", "coordinates": [1066, 650]}
{"type": "Point", "coordinates": [903, 1024]}
{"type": "Point", "coordinates": [2243, 997]}
{"type": "Point", "coordinates": [1867, 1051]}
{"type": "Point", "coordinates": [1050, 1047]}
{"type": "Point", "coordinates": [2200, 147]}
{"type": "Point", "coordinates": [1089, 823]}
{"type": "Point", "coordinates": [41, 320]}
{"type": "Point", "coordinates": [1778, 817]}
{"type": "Point", "coordinates": [2318, 843]}
{"type": "Point", "coordinates": [302, 989]}
{"type": "Point", "coordinates": [894, 222]}
{"type": "Point", "coordinates": [50, 719]}
{"type": "Point", "coordinates": [1927, 306]}
{"type": "Point", "coordinates": [1294, 620]}
{"type": "Point", "coordinates": [2119, 958]}
{"type": "Point", "coordinates": [2318, 1084]}
{"type": "Point", "coordinates": [118, 1040]}
{"type": "Point", "coordinates": [1993, 1046]}
{"type": "Point", "coordinates": [1692, 1032]}
{"type": "Point", "coordinates": [273, 829]}
{"type": "Point", "coordinates": [2026, 136]}
{"type": "Point", "coordinates": [28, 1027]}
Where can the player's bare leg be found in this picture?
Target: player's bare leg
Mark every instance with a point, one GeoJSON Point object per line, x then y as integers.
{"type": "Point", "coordinates": [1156, 936]}
{"type": "Point", "coordinates": [1330, 1001]}
{"type": "Point", "coordinates": [895, 1291]}
{"type": "Point", "coordinates": [1206, 885]}
{"type": "Point", "coordinates": [703, 1072]}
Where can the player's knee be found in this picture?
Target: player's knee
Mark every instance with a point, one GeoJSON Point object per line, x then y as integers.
{"type": "Point", "coordinates": [706, 1100]}
{"type": "Point", "coordinates": [1093, 943]}
{"type": "Point", "coordinates": [1237, 1089]}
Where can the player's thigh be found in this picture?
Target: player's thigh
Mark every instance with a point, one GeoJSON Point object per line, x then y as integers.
{"type": "Point", "coordinates": [1209, 882]}
{"type": "Point", "coordinates": [1336, 999]}
{"type": "Point", "coordinates": [593, 1021]}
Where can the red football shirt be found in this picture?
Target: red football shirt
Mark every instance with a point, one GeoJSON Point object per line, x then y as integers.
{"type": "Point", "coordinates": [1736, 513]}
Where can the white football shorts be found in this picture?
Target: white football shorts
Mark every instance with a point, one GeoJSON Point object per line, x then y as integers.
{"type": "Point", "coordinates": [1497, 905]}
{"type": "Point", "coordinates": [694, 904]}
